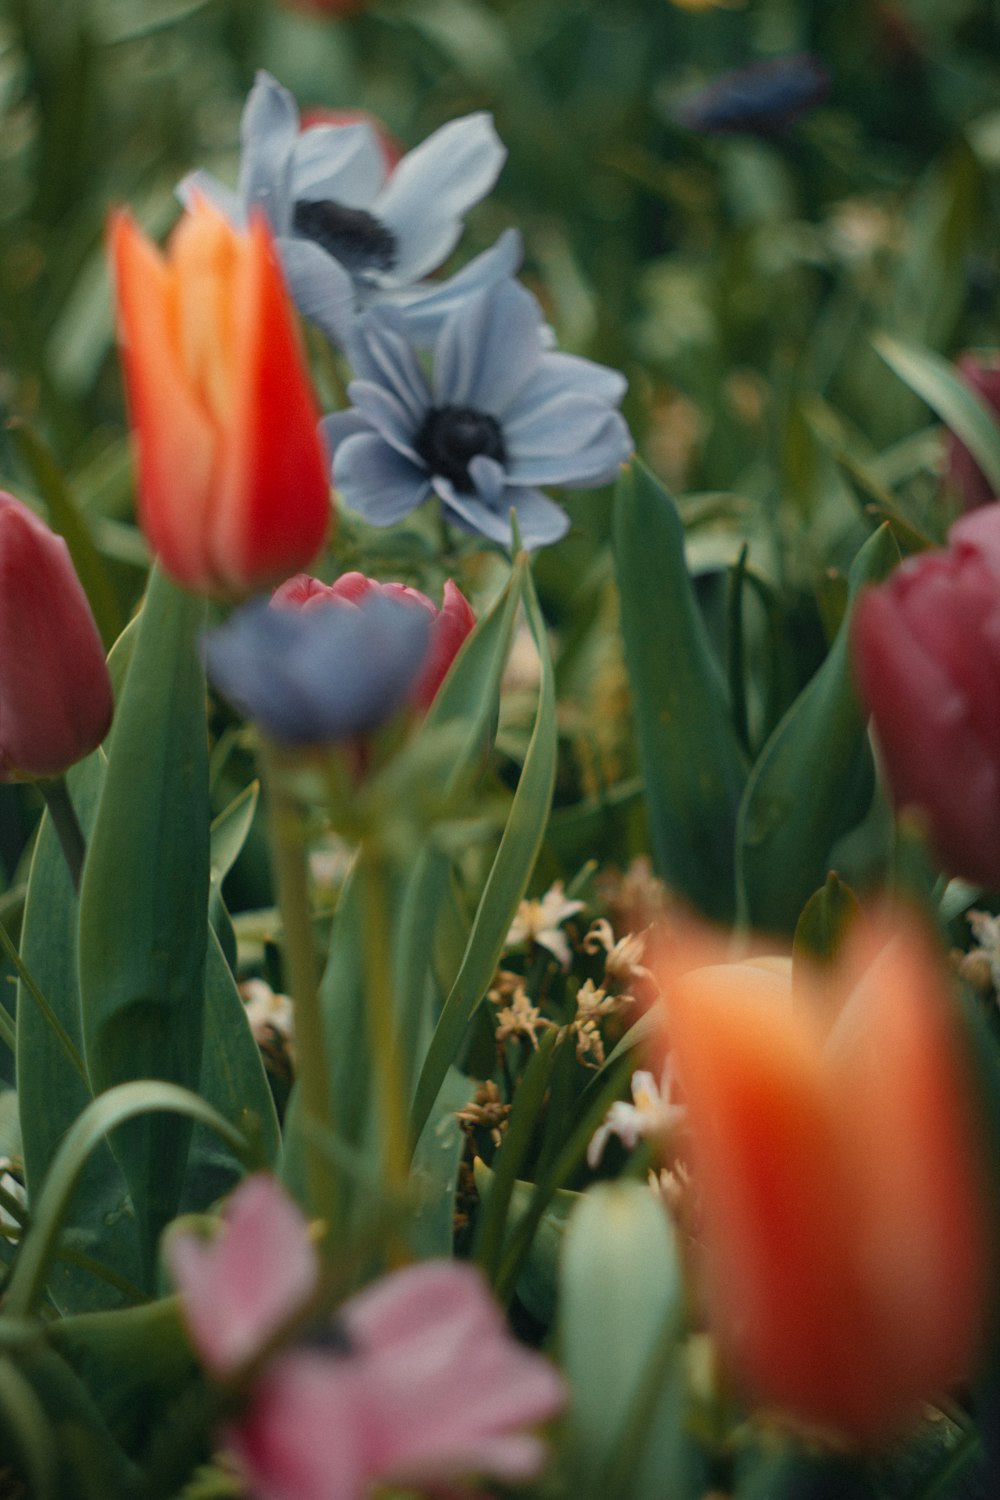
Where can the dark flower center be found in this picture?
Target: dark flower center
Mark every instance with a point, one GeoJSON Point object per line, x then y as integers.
{"type": "Point", "coordinates": [327, 1337]}
{"type": "Point", "coordinates": [351, 235]}
{"type": "Point", "coordinates": [452, 435]}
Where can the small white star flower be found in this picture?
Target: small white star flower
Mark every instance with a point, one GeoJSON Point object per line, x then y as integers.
{"type": "Point", "coordinates": [540, 922]}
{"type": "Point", "coordinates": [652, 1114]}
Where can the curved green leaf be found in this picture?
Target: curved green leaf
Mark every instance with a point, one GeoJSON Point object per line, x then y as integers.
{"type": "Point", "coordinates": [690, 753]}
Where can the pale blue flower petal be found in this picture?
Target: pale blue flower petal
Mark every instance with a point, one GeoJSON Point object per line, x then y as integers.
{"type": "Point", "coordinates": [540, 520]}
{"type": "Point", "coordinates": [320, 288]}
{"type": "Point", "coordinates": [203, 185]}
{"type": "Point", "coordinates": [426, 306]}
{"type": "Point", "coordinates": [376, 481]}
{"type": "Point", "coordinates": [384, 412]}
{"type": "Point", "coordinates": [559, 372]}
{"type": "Point", "coordinates": [484, 356]}
{"type": "Point", "coordinates": [319, 676]}
{"type": "Point", "coordinates": [344, 163]}
{"type": "Point", "coordinates": [340, 425]}
{"type": "Point", "coordinates": [268, 133]}
{"type": "Point", "coordinates": [433, 187]}
{"type": "Point", "coordinates": [382, 353]}
{"type": "Point", "coordinates": [569, 440]}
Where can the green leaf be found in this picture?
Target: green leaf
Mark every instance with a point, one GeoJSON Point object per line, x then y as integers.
{"type": "Point", "coordinates": [506, 882]}
{"type": "Point", "coordinates": [620, 1320]}
{"type": "Point", "coordinates": [144, 897]}
{"type": "Point", "coordinates": [537, 1284]}
{"type": "Point", "coordinates": [29, 1431]}
{"type": "Point", "coordinates": [434, 1172]}
{"type": "Point", "coordinates": [690, 754]}
{"type": "Point", "coordinates": [51, 1093]}
{"type": "Point", "coordinates": [945, 392]}
{"type": "Point", "coordinates": [826, 919]}
{"type": "Point", "coordinates": [813, 780]}
{"type": "Point", "coordinates": [109, 1112]}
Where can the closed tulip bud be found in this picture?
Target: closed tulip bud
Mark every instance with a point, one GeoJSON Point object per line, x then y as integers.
{"type": "Point", "coordinates": [233, 481]}
{"type": "Point", "coordinates": [926, 647]}
{"type": "Point", "coordinates": [55, 693]}
{"type": "Point", "coordinates": [449, 625]}
{"type": "Point", "coordinates": [963, 475]}
{"type": "Point", "coordinates": [845, 1226]}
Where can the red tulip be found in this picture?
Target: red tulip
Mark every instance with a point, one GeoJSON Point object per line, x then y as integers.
{"type": "Point", "coordinates": [844, 1223]}
{"type": "Point", "coordinates": [55, 693]}
{"type": "Point", "coordinates": [450, 624]}
{"type": "Point", "coordinates": [926, 646]}
{"type": "Point", "coordinates": [963, 475]}
{"type": "Point", "coordinates": [234, 490]}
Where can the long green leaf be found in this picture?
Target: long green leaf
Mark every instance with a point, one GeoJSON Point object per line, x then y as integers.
{"type": "Point", "coordinates": [691, 757]}
{"type": "Point", "coordinates": [113, 1110]}
{"type": "Point", "coordinates": [144, 897]}
{"type": "Point", "coordinates": [506, 883]}
{"type": "Point", "coordinates": [813, 780]}
{"type": "Point", "coordinates": [939, 384]}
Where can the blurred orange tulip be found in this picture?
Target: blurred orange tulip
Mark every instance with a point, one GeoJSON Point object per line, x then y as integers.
{"type": "Point", "coordinates": [847, 1234]}
{"type": "Point", "coordinates": [234, 487]}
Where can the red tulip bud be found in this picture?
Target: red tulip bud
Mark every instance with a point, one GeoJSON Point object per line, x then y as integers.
{"type": "Point", "coordinates": [926, 647]}
{"type": "Point", "coordinates": [55, 693]}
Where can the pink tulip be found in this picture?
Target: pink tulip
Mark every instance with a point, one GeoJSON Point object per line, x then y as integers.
{"type": "Point", "coordinates": [55, 693]}
{"type": "Point", "coordinates": [418, 1382]}
{"type": "Point", "coordinates": [926, 647]}
{"type": "Point", "coordinates": [450, 624]}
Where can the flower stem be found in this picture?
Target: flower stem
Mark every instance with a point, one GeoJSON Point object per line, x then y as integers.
{"type": "Point", "coordinates": [288, 854]}
{"type": "Point", "coordinates": [382, 1030]}
{"type": "Point", "coordinates": [66, 824]}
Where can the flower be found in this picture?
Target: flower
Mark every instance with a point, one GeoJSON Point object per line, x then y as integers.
{"type": "Point", "coordinates": [926, 650]}
{"type": "Point", "coordinates": [241, 1288]}
{"type": "Point", "coordinates": [319, 676]}
{"type": "Point", "coordinates": [233, 486]}
{"type": "Point", "coordinates": [762, 99]}
{"type": "Point", "coordinates": [416, 1383]}
{"type": "Point", "coordinates": [651, 1115]}
{"type": "Point", "coordinates": [55, 693]}
{"type": "Point", "coordinates": [349, 230]}
{"type": "Point", "coordinates": [963, 476]}
{"type": "Point", "coordinates": [501, 416]}
{"type": "Point", "coordinates": [539, 922]}
{"type": "Point", "coordinates": [846, 1229]}
{"type": "Point", "coordinates": [449, 625]}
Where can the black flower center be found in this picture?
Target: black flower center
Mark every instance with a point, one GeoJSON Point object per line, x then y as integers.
{"type": "Point", "coordinates": [351, 235]}
{"type": "Point", "coordinates": [327, 1337]}
{"type": "Point", "coordinates": [453, 435]}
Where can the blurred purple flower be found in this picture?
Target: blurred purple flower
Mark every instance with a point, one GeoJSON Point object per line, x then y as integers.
{"type": "Point", "coordinates": [319, 676]}
{"type": "Point", "coordinates": [501, 415]}
{"type": "Point", "coordinates": [349, 230]}
{"type": "Point", "coordinates": [762, 99]}
{"type": "Point", "coordinates": [417, 1383]}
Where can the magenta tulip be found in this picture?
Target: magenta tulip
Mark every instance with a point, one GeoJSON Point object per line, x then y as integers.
{"type": "Point", "coordinates": [55, 693]}
{"type": "Point", "coordinates": [926, 647]}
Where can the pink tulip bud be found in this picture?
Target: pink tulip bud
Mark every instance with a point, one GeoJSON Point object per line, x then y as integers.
{"type": "Point", "coordinates": [55, 693]}
{"type": "Point", "coordinates": [449, 625]}
{"type": "Point", "coordinates": [963, 475]}
{"type": "Point", "coordinates": [926, 647]}
{"type": "Point", "coordinates": [234, 491]}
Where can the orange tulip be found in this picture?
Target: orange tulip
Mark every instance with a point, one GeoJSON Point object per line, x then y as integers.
{"type": "Point", "coordinates": [234, 490]}
{"type": "Point", "coordinates": [846, 1229]}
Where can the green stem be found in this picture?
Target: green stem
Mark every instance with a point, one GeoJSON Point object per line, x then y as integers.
{"type": "Point", "coordinates": [382, 1031]}
{"type": "Point", "coordinates": [288, 853]}
{"type": "Point", "coordinates": [66, 824]}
